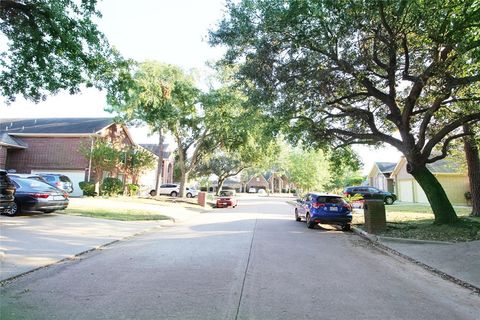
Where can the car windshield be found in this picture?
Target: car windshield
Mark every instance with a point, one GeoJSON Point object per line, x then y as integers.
{"type": "Point", "coordinates": [226, 193]}
{"type": "Point", "coordinates": [332, 200]}
{"type": "Point", "coordinates": [64, 179]}
{"type": "Point", "coordinates": [34, 184]}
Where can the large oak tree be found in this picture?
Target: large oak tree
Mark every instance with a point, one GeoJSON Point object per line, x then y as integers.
{"type": "Point", "coordinates": [343, 72]}
{"type": "Point", "coordinates": [53, 45]}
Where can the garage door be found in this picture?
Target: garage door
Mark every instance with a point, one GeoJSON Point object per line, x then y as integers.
{"type": "Point", "coordinates": [76, 176]}
{"type": "Point", "coordinates": [406, 190]}
{"type": "Point", "coordinates": [420, 195]}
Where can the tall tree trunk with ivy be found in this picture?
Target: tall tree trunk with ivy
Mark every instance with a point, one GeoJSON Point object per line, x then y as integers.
{"type": "Point", "coordinates": [473, 165]}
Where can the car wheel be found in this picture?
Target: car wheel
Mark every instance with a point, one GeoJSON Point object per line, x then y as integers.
{"type": "Point", "coordinates": [389, 200]}
{"type": "Point", "coordinates": [13, 210]}
{"type": "Point", "coordinates": [297, 217]}
{"type": "Point", "coordinates": [310, 224]}
{"type": "Point", "coordinates": [346, 227]}
{"type": "Point", "coordinates": [174, 194]}
{"type": "Point", "coordinates": [189, 195]}
{"type": "Point", "coordinates": [153, 193]}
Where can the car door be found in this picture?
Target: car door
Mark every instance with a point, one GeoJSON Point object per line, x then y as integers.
{"type": "Point", "coordinates": [163, 189]}
{"type": "Point", "coordinates": [306, 204]}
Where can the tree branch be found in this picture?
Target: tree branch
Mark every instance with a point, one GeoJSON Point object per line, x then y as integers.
{"type": "Point", "coordinates": [427, 150]}
{"type": "Point", "coordinates": [445, 146]}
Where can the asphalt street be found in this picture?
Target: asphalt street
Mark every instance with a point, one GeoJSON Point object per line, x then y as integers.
{"type": "Point", "coordinates": [251, 262]}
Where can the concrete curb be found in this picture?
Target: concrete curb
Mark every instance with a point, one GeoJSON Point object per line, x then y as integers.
{"type": "Point", "coordinates": [413, 241]}
{"type": "Point", "coordinates": [382, 246]}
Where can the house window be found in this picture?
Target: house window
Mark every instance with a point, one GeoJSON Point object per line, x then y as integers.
{"type": "Point", "coordinates": [258, 179]}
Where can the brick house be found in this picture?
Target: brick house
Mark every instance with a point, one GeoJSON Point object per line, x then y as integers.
{"type": "Point", "coordinates": [52, 145]}
{"type": "Point", "coordinates": [272, 181]}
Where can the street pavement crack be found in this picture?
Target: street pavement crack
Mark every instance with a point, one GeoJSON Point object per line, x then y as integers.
{"type": "Point", "coordinates": [246, 269]}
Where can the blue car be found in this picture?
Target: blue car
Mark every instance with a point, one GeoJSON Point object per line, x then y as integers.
{"type": "Point", "coordinates": [324, 208]}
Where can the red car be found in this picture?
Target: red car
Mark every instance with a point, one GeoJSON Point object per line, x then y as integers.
{"type": "Point", "coordinates": [226, 199]}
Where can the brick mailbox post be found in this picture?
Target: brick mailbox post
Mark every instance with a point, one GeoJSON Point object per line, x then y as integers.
{"type": "Point", "coordinates": [374, 213]}
{"type": "Point", "coordinates": [202, 199]}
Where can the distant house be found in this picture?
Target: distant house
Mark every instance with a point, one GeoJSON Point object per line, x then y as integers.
{"type": "Point", "coordinates": [148, 179]}
{"type": "Point", "coordinates": [257, 182]}
{"type": "Point", "coordinates": [380, 176]}
{"type": "Point", "coordinates": [52, 145]}
{"type": "Point", "coordinates": [272, 181]}
{"type": "Point", "coordinates": [453, 180]}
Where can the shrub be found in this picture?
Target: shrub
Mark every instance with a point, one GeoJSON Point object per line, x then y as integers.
{"type": "Point", "coordinates": [203, 189]}
{"type": "Point", "coordinates": [88, 188]}
{"type": "Point", "coordinates": [111, 186]}
{"type": "Point", "coordinates": [132, 189]}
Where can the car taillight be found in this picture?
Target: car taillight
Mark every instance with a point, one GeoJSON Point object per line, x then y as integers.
{"type": "Point", "coordinates": [66, 195]}
{"type": "Point", "coordinates": [317, 205]}
{"type": "Point", "coordinates": [40, 195]}
{"type": "Point", "coordinates": [348, 206]}
{"type": "Point", "coordinates": [346, 194]}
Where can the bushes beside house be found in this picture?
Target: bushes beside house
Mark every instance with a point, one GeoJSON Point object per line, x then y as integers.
{"type": "Point", "coordinates": [88, 188]}
{"type": "Point", "coordinates": [111, 187]}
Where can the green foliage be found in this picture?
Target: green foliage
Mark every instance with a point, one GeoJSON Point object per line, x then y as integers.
{"type": "Point", "coordinates": [104, 156]}
{"type": "Point", "coordinates": [54, 45]}
{"type": "Point", "coordinates": [111, 187]}
{"type": "Point", "coordinates": [337, 73]}
{"type": "Point", "coordinates": [308, 169]}
{"type": "Point", "coordinates": [136, 160]}
{"type": "Point", "coordinates": [88, 188]}
{"type": "Point", "coordinates": [132, 189]}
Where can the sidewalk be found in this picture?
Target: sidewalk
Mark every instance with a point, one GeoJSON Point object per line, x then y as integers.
{"type": "Point", "coordinates": [460, 261]}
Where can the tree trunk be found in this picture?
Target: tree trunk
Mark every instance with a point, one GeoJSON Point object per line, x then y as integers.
{"type": "Point", "coordinates": [441, 206]}
{"type": "Point", "coordinates": [220, 185]}
{"type": "Point", "coordinates": [183, 183]}
{"type": "Point", "coordinates": [158, 180]}
{"type": "Point", "coordinates": [473, 165]}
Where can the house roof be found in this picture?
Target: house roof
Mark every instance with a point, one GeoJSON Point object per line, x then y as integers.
{"type": "Point", "coordinates": [447, 165]}
{"type": "Point", "coordinates": [444, 166]}
{"type": "Point", "coordinates": [386, 167]}
{"type": "Point", "coordinates": [55, 125]}
{"type": "Point", "coordinates": [9, 141]}
{"type": "Point", "coordinates": [155, 149]}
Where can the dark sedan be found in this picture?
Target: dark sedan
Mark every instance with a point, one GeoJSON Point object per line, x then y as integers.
{"type": "Point", "coordinates": [7, 191]}
{"type": "Point", "coordinates": [33, 195]}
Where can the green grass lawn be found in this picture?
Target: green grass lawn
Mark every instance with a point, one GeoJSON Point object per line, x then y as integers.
{"type": "Point", "coordinates": [416, 222]}
{"type": "Point", "coordinates": [105, 210]}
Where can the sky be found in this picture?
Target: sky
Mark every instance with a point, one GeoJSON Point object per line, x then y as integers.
{"type": "Point", "coordinates": [164, 30]}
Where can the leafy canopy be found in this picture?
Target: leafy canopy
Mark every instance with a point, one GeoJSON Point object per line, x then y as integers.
{"type": "Point", "coordinates": [344, 72]}
{"type": "Point", "coordinates": [53, 45]}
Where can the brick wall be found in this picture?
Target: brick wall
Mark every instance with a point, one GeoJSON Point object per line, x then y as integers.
{"type": "Point", "coordinates": [48, 154]}
{"type": "Point", "coordinates": [3, 157]}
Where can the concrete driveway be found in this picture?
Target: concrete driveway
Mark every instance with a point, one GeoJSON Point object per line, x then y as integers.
{"type": "Point", "coordinates": [30, 241]}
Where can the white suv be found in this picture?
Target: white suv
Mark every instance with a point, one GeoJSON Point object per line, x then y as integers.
{"type": "Point", "coordinates": [174, 189]}
{"type": "Point", "coordinates": [168, 189]}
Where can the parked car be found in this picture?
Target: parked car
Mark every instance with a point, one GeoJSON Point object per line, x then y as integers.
{"type": "Point", "coordinates": [170, 189]}
{"type": "Point", "coordinates": [261, 191]}
{"type": "Point", "coordinates": [252, 190]}
{"type": "Point", "coordinates": [59, 181]}
{"type": "Point", "coordinates": [7, 193]}
{"type": "Point", "coordinates": [324, 208]}
{"type": "Point", "coordinates": [33, 195]}
{"type": "Point", "coordinates": [371, 193]}
{"type": "Point", "coordinates": [227, 198]}
{"type": "Point", "coordinates": [191, 192]}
